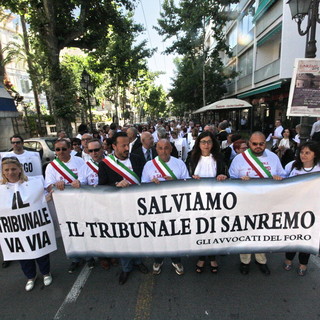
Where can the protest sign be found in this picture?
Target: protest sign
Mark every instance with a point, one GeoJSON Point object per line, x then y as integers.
{"type": "Point", "coordinates": [26, 228]}
{"type": "Point", "coordinates": [193, 217]}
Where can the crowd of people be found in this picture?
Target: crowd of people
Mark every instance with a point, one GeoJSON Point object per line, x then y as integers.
{"type": "Point", "coordinates": [154, 153]}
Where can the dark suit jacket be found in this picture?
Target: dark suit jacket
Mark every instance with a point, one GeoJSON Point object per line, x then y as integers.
{"type": "Point", "coordinates": [110, 177]}
{"type": "Point", "coordinates": [140, 153]}
{"type": "Point", "coordinates": [136, 145]}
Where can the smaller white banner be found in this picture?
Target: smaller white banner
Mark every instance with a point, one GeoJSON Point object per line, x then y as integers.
{"type": "Point", "coordinates": [304, 96]}
{"type": "Point", "coordinates": [26, 227]}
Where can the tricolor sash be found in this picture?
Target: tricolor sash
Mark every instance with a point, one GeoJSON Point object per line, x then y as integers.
{"type": "Point", "coordinates": [121, 169]}
{"type": "Point", "coordinates": [93, 166]}
{"type": "Point", "coordinates": [256, 164]}
{"type": "Point", "coordinates": [163, 168]}
{"type": "Point", "coordinates": [67, 173]}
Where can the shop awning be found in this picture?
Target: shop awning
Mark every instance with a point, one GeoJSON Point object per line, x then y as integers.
{"type": "Point", "coordinates": [6, 101]}
{"type": "Point", "coordinates": [266, 88]}
{"type": "Point", "coordinates": [225, 104]}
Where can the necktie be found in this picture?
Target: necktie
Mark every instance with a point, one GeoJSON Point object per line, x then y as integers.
{"type": "Point", "coordinates": [148, 155]}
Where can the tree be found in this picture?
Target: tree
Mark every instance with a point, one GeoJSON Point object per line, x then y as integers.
{"type": "Point", "coordinates": [200, 71]}
{"type": "Point", "coordinates": [156, 102]}
{"type": "Point", "coordinates": [69, 23]}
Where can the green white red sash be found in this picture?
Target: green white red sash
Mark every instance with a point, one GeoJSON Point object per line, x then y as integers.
{"type": "Point", "coordinates": [121, 169]}
{"type": "Point", "coordinates": [93, 166]}
{"type": "Point", "coordinates": [163, 168]}
{"type": "Point", "coordinates": [67, 173]}
{"type": "Point", "coordinates": [256, 164]}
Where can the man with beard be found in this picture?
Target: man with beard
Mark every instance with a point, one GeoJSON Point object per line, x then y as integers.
{"type": "Point", "coordinates": [122, 170]}
{"type": "Point", "coordinates": [256, 162]}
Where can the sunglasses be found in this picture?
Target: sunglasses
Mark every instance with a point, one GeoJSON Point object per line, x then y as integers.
{"type": "Point", "coordinates": [9, 158]}
{"type": "Point", "coordinates": [94, 150]}
{"type": "Point", "coordinates": [258, 143]}
{"type": "Point", "coordinates": [86, 139]}
{"type": "Point", "coordinates": [76, 144]}
{"type": "Point", "coordinates": [16, 142]}
{"type": "Point", "coordinates": [61, 149]}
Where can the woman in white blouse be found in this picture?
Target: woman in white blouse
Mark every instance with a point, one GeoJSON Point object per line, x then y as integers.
{"type": "Point", "coordinates": [207, 162]}
{"type": "Point", "coordinates": [307, 161]}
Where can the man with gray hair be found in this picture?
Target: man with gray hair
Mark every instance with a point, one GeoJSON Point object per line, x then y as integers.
{"type": "Point", "coordinates": [134, 139]}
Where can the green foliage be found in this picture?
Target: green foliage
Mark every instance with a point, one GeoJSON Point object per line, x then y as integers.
{"type": "Point", "coordinates": [156, 102]}
{"type": "Point", "coordinates": [200, 77]}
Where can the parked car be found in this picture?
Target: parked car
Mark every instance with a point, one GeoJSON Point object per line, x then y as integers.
{"type": "Point", "coordinates": [43, 145]}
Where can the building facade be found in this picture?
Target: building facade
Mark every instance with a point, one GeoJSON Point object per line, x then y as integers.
{"type": "Point", "coordinates": [265, 42]}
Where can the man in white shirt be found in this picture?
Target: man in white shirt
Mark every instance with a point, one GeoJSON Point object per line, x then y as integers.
{"type": "Point", "coordinates": [315, 131]}
{"type": "Point", "coordinates": [30, 160]}
{"type": "Point", "coordinates": [62, 171]}
{"type": "Point", "coordinates": [84, 143]}
{"type": "Point", "coordinates": [277, 133]}
{"type": "Point", "coordinates": [256, 162]}
{"type": "Point", "coordinates": [162, 168]}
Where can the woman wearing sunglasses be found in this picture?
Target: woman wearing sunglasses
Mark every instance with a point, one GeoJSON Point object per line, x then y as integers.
{"type": "Point", "coordinates": [307, 161]}
{"type": "Point", "coordinates": [13, 175]}
{"type": "Point", "coordinates": [207, 162]}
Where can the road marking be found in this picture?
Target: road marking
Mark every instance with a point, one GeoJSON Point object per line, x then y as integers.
{"type": "Point", "coordinates": [144, 299]}
{"type": "Point", "coordinates": [75, 290]}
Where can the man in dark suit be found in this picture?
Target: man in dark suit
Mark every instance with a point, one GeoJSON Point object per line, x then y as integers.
{"type": "Point", "coordinates": [110, 173]}
{"type": "Point", "coordinates": [147, 150]}
{"type": "Point", "coordinates": [134, 139]}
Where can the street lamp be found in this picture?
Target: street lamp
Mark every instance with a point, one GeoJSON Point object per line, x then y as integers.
{"type": "Point", "coordinates": [299, 10]}
{"type": "Point", "coordinates": [87, 85]}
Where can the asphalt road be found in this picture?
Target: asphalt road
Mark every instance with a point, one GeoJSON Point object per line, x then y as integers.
{"type": "Point", "coordinates": [96, 294]}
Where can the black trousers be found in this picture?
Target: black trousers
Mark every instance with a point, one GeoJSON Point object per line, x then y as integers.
{"type": "Point", "coordinates": [303, 257]}
{"type": "Point", "coordinates": [29, 267]}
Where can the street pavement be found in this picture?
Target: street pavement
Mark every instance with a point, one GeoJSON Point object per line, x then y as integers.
{"type": "Point", "coordinates": [96, 294]}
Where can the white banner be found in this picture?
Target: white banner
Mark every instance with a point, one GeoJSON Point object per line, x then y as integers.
{"type": "Point", "coordinates": [304, 96]}
{"type": "Point", "coordinates": [26, 228]}
{"type": "Point", "coordinates": [191, 217]}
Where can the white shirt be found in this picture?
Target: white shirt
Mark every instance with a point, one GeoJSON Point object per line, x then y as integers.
{"type": "Point", "coordinates": [315, 128]}
{"type": "Point", "coordinates": [206, 167]}
{"type": "Point", "coordinates": [52, 175]}
{"type": "Point", "coordinates": [278, 133]}
{"type": "Point", "coordinates": [30, 161]}
{"type": "Point", "coordinates": [240, 167]}
{"type": "Point", "coordinates": [85, 156]}
{"type": "Point", "coordinates": [87, 176]}
{"type": "Point", "coordinates": [176, 165]}
{"type": "Point", "coordinates": [295, 172]}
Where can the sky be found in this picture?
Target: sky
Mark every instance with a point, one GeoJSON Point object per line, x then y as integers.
{"type": "Point", "coordinates": [147, 13]}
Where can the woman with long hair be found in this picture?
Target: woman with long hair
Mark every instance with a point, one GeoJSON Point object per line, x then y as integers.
{"type": "Point", "coordinates": [12, 175]}
{"type": "Point", "coordinates": [206, 161]}
{"type": "Point", "coordinates": [307, 161]}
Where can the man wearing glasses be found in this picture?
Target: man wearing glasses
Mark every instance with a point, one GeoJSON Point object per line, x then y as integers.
{"type": "Point", "coordinates": [256, 162]}
{"type": "Point", "coordinates": [64, 170]}
{"type": "Point", "coordinates": [84, 143]}
{"type": "Point", "coordinates": [30, 160]}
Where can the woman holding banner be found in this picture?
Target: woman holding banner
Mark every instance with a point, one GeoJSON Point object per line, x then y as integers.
{"type": "Point", "coordinates": [307, 161]}
{"type": "Point", "coordinates": [13, 177]}
{"type": "Point", "coordinates": [207, 162]}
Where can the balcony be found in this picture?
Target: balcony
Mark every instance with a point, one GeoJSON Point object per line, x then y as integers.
{"type": "Point", "coordinates": [268, 71]}
{"type": "Point", "coordinates": [245, 81]}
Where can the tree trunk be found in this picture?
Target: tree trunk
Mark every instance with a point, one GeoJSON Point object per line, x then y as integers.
{"type": "Point", "coordinates": [32, 75]}
{"type": "Point", "coordinates": [53, 52]}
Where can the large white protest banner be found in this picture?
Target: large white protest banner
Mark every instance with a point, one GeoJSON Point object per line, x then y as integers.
{"type": "Point", "coordinates": [26, 228]}
{"type": "Point", "coordinates": [191, 217]}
